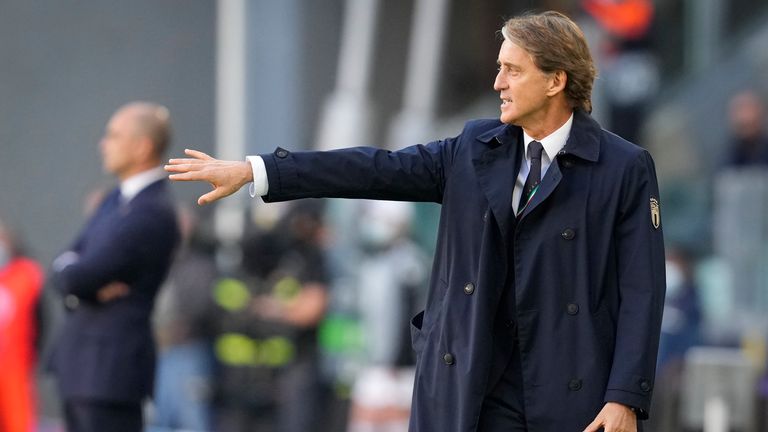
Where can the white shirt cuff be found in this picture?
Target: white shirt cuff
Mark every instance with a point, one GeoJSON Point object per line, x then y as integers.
{"type": "Point", "coordinates": [260, 185]}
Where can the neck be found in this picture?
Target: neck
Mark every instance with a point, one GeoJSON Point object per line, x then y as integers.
{"type": "Point", "coordinates": [550, 121]}
{"type": "Point", "coordinates": [137, 169]}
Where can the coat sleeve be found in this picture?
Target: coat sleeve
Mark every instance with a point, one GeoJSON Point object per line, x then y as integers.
{"type": "Point", "coordinates": [640, 261]}
{"type": "Point", "coordinates": [416, 173]}
{"type": "Point", "coordinates": [140, 237]}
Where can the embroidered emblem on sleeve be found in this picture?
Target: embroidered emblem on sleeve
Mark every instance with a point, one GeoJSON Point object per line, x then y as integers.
{"type": "Point", "coordinates": [655, 213]}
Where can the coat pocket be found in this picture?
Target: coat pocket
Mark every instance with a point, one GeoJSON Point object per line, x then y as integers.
{"type": "Point", "coordinates": [417, 334]}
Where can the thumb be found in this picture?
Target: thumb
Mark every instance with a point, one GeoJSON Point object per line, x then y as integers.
{"type": "Point", "coordinates": [214, 195]}
{"type": "Point", "coordinates": [595, 425]}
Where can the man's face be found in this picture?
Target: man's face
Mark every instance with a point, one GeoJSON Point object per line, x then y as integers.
{"type": "Point", "coordinates": [522, 87]}
{"type": "Point", "coordinates": [119, 144]}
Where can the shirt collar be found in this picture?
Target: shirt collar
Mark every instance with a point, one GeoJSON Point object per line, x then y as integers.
{"type": "Point", "coordinates": [553, 142]}
{"type": "Point", "coordinates": [131, 186]}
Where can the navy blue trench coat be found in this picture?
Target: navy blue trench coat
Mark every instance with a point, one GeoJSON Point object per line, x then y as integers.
{"type": "Point", "coordinates": [584, 262]}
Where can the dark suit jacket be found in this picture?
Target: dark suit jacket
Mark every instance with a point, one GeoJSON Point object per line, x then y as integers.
{"type": "Point", "coordinates": [106, 351]}
{"type": "Point", "coordinates": [583, 267]}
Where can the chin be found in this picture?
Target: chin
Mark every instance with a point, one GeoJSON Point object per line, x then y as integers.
{"type": "Point", "coordinates": [506, 119]}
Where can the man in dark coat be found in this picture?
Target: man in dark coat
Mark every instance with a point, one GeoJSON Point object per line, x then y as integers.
{"type": "Point", "coordinates": [104, 357]}
{"type": "Point", "coordinates": [545, 300]}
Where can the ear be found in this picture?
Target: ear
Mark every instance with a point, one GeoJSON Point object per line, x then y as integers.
{"type": "Point", "coordinates": [557, 82]}
{"type": "Point", "coordinates": [145, 149]}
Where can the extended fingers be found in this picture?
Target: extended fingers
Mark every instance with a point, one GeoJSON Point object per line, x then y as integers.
{"type": "Point", "coordinates": [185, 175]}
{"type": "Point", "coordinates": [197, 154]}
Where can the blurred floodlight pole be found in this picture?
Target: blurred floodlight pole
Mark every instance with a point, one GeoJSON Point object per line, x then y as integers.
{"type": "Point", "coordinates": [705, 19]}
{"type": "Point", "coordinates": [415, 121]}
{"type": "Point", "coordinates": [230, 106]}
{"type": "Point", "coordinates": [347, 115]}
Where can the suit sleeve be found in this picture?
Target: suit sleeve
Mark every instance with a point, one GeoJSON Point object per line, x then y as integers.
{"type": "Point", "coordinates": [120, 257]}
{"type": "Point", "coordinates": [415, 173]}
{"type": "Point", "coordinates": [640, 256]}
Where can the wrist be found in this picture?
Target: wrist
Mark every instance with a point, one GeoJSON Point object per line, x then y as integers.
{"type": "Point", "coordinates": [246, 172]}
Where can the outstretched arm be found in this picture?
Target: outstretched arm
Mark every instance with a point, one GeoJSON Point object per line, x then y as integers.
{"type": "Point", "coordinates": [226, 177]}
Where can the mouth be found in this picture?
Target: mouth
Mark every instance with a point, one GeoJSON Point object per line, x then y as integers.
{"type": "Point", "coordinates": [505, 102]}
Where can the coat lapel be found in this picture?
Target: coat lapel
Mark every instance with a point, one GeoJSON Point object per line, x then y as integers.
{"type": "Point", "coordinates": [496, 165]}
{"type": "Point", "coordinates": [583, 142]}
{"type": "Point", "coordinates": [546, 187]}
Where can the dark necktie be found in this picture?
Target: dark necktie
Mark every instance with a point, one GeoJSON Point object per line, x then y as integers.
{"type": "Point", "coordinates": [534, 175]}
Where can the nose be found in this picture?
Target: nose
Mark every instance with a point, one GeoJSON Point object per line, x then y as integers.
{"type": "Point", "coordinates": [498, 83]}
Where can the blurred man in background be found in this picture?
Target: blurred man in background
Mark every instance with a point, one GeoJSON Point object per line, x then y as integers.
{"type": "Point", "coordinates": [749, 137]}
{"type": "Point", "coordinates": [104, 357]}
{"type": "Point", "coordinates": [20, 283]}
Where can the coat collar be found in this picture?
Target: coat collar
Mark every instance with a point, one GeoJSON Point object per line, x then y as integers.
{"type": "Point", "coordinates": [584, 141]}
{"type": "Point", "coordinates": [496, 165]}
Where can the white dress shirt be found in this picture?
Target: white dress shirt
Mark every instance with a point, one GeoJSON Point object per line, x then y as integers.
{"type": "Point", "coordinates": [260, 185]}
{"type": "Point", "coordinates": [134, 184]}
{"type": "Point", "coordinates": [552, 144]}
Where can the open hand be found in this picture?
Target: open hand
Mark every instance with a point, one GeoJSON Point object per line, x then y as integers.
{"type": "Point", "coordinates": [226, 177]}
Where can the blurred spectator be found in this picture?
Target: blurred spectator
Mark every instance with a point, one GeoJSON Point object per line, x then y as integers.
{"type": "Point", "coordinates": [627, 61]}
{"type": "Point", "coordinates": [268, 341]}
{"type": "Point", "coordinates": [749, 142]}
{"type": "Point", "coordinates": [184, 323]}
{"type": "Point", "coordinates": [20, 283]}
{"type": "Point", "coordinates": [391, 278]}
{"type": "Point", "coordinates": [680, 330]}
{"type": "Point", "coordinates": [104, 357]}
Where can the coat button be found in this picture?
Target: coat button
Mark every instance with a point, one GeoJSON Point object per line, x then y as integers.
{"type": "Point", "coordinates": [572, 308]}
{"type": "Point", "coordinates": [448, 359]}
{"type": "Point", "coordinates": [469, 288]}
{"type": "Point", "coordinates": [71, 301]}
{"type": "Point", "coordinates": [574, 385]}
{"type": "Point", "coordinates": [281, 153]}
{"type": "Point", "coordinates": [568, 234]}
{"type": "Point", "coordinates": [645, 385]}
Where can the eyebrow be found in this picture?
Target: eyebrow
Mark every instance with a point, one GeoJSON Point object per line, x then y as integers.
{"type": "Point", "coordinates": [508, 64]}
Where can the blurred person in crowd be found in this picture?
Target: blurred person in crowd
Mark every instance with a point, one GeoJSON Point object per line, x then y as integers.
{"type": "Point", "coordinates": [627, 61]}
{"type": "Point", "coordinates": [545, 301]}
{"type": "Point", "coordinates": [104, 356]}
{"type": "Point", "coordinates": [184, 321]}
{"type": "Point", "coordinates": [391, 276]}
{"type": "Point", "coordinates": [680, 331]}
{"type": "Point", "coordinates": [680, 327]}
{"type": "Point", "coordinates": [21, 280]}
{"type": "Point", "coordinates": [287, 278]}
{"type": "Point", "coordinates": [749, 136]}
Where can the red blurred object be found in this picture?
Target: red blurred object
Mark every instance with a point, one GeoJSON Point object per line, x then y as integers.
{"type": "Point", "coordinates": [628, 19]}
{"type": "Point", "coordinates": [20, 284]}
